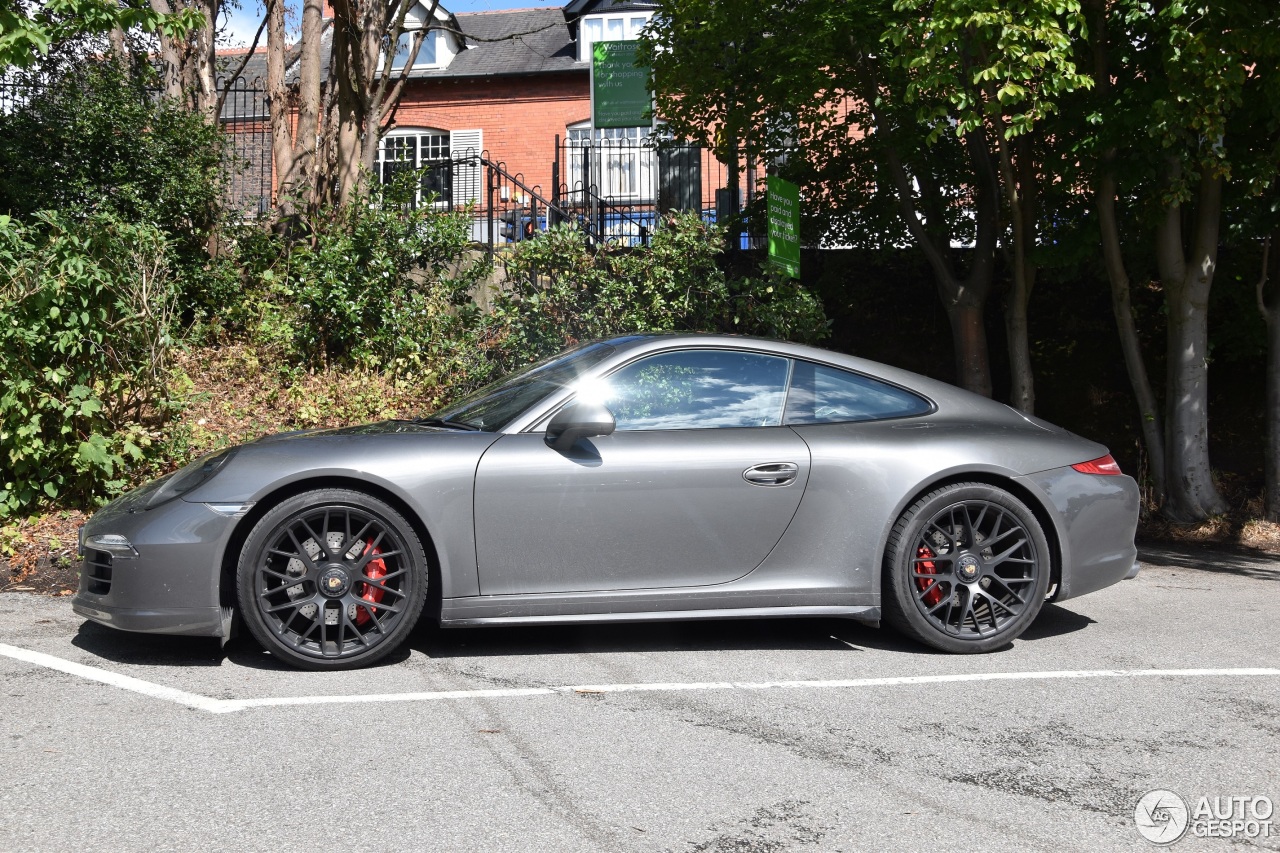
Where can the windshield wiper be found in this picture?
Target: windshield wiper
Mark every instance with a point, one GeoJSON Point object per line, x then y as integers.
{"type": "Point", "coordinates": [437, 422]}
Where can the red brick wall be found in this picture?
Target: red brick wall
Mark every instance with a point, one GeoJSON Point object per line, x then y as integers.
{"type": "Point", "coordinates": [519, 116]}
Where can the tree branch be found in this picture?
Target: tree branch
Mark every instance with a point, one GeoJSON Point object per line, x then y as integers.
{"type": "Point", "coordinates": [901, 180]}
{"type": "Point", "coordinates": [244, 63]}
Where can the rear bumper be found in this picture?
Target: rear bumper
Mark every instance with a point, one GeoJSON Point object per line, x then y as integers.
{"type": "Point", "coordinates": [1098, 519]}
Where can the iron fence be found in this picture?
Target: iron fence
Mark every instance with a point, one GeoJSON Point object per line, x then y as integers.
{"type": "Point", "coordinates": [617, 193]}
{"type": "Point", "coordinates": [623, 185]}
{"type": "Point", "coordinates": [246, 119]}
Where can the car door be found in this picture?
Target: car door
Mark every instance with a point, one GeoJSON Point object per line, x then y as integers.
{"type": "Point", "coordinates": [695, 486]}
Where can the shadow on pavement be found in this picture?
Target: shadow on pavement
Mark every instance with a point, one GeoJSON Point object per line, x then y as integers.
{"type": "Point", "coordinates": [1055, 621]}
{"type": "Point", "coordinates": [1217, 560]}
{"type": "Point", "coordinates": [147, 649]}
{"type": "Point", "coordinates": [765, 635]}
{"type": "Point", "coordinates": [757, 635]}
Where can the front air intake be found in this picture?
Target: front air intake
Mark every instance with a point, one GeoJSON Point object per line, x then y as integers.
{"type": "Point", "coordinates": [97, 571]}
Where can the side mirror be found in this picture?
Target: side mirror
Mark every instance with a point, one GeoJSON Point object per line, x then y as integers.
{"type": "Point", "coordinates": [579, 420]}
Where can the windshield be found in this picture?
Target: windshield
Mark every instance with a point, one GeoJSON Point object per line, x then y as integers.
{"type": "Point", "coordinates": [494, 406]}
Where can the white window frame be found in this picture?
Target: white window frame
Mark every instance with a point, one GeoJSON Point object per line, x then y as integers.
{"type": "Point", "coordinates": [438, 148]}
{"type": "Point", "coordinates": [622, 168]}
{"type": "Point", "coordinates": [443, 43]}
{"type": "Point", "coordinates": [629, 25]}
{"type": "Point", "coordinates": [432, 46]}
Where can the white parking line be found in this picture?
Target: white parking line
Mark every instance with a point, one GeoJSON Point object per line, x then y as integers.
{"type": "Point", "coordinates": [124, 682]}
{"type": "Point", "coordinates": [224, 706]}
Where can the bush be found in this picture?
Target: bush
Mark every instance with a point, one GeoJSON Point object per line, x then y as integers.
{"type": "Point", "coordinates": [560, 292]}
{"type": "Point", "coordinates": [87, 307]}
{"type": "Point", "coordinates": [96, 139]}
{"type": "Point", "coordinates": [367, 285]}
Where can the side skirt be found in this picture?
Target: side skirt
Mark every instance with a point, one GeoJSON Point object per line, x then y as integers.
{"type": "Point", "coordinates": [458, 617]}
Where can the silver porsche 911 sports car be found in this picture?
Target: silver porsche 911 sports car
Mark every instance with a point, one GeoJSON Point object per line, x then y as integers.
{"type": "Point", "coordinates": [645, 477]}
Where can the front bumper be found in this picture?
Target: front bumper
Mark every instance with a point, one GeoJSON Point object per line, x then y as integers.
{"type": "Point", "coordinates": [172, 584]}
{"type": "Point", "coordinates": [187, 621]}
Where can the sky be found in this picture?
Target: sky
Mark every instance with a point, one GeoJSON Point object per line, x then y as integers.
{"type": "Point", "coordinates": [245, 20]}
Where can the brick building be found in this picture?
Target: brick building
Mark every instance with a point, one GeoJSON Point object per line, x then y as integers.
{"type": "Point", "coordinates": [494, 92]}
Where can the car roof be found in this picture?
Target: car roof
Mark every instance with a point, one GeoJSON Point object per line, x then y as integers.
{"type": "Point", "coordinates": [631, 345]}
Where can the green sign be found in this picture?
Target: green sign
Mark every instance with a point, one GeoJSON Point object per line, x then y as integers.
{"type": "Point", "coordinates": [620, 94]}
{"type": "Point", "coordinates": [784, 225]}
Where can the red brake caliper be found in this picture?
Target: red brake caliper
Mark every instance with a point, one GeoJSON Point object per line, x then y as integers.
{"type": "Point", "coordinates": [375, 569]}
{"type": "Point", "coordinates": [934, 589]}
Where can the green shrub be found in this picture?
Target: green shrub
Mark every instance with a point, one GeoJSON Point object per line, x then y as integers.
{"type": "Point", "coordinates": [96, 138]}
{"type": "Point", "coordinates": [560, 292]}
{"type": "Point", "coordinates": [87, 306]}
{"type": "Point", "coordinates": [366, 286]}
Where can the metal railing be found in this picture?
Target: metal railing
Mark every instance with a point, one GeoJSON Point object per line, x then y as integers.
{"type": "Point", "coordinates": [621, 187]}
{"type": "Point", "coordinates": [616, 194]}
{"type": "Point", "coordinates": [247, 122]}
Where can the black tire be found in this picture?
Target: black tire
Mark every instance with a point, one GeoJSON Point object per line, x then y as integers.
{"type": "Point", "coordinates": [331, 579]}
{"type": "Point", "coordinates": [966, 569]}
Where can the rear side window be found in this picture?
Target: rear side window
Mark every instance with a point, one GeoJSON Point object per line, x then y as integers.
{"type": "Point", "coordinates": [824, 395]}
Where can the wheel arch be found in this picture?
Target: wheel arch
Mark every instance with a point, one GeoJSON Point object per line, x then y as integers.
{"type": "Point", "coordinates": [240, 534]}
{"type": "Point", "coordinates": [1033, 502]}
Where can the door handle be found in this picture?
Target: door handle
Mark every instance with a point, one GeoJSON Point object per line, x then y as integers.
{"type": "Point", "coordinates": [772, 474]}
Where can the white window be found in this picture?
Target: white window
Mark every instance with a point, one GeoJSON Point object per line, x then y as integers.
{"type": "Point", "coordinates": [405, 150]}
{"type": "Point", "coordinates": [620, 27]}
{"type": "Point", "coordinates": [427, 51]}
{"type": "Point", "coordinates": [617, 163]}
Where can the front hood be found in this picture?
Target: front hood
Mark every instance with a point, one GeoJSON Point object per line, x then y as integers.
{"type": "Point", "coordinates": [386, 453]}
{"type": "Point", "coordinates": [390, 427]}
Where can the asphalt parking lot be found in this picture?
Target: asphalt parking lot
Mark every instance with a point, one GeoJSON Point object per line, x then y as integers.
{"type": "Point", "coordinates": [730, 736]}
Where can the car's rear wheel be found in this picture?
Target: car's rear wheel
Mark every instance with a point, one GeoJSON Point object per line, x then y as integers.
{"type": "Point", "coordinates": [331, 579]}
{"type": "Point", "coordinates": [966, 569]}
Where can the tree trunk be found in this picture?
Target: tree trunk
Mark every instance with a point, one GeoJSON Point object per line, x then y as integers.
{"type": "Point", "coordinates": [1113, 259]}
{"type": "Point", "coordinates": [1122, 308]}
{"type": "Point", "coordinates": [1271, 314]}
{"type": "Point", "coordinates": [310, 77]}
{"type": "Point", "coordinates": [1191, 495]}
{"type": "Point", "coordinates": [1017, 180]}
{"type": "Point", "coordinates": [278, 107]}
{"type": "Point", "coordinates": [963, 299]}
{"type": "Point", "coordinates": [188, 64]}
{"type": "Point", "coordinates": [1273, 416]}
{"type": "Point", "coordinates": [969, 336]}
{"type": "Point", "coordinates": [293, 145]}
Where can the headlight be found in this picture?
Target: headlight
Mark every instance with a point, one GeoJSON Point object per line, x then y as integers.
{"type": "Point", "coordinates": [196, 474]}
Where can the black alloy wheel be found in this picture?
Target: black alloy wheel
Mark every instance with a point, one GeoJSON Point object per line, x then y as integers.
{"type": "Point", "coordinates": [966, 569]}
{"type": "Point", "coordinates": [331, 579]}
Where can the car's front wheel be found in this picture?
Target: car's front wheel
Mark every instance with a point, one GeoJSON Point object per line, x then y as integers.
{"type": "Point", "coordinates": [331, 579]}
{"type": "Point", "coordinates": [966, 569]}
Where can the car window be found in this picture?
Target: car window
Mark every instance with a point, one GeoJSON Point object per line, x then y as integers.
{"type": "Point", "coordinates": [698, 389]}
{"type": "Point", "coordinates": [496, 405]}
{"type": "Point", "coordinates": [821, 395]}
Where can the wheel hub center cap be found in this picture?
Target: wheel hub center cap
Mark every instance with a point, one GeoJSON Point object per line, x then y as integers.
{"type": "Point", "coordinates": [334, 582]}
{"type": "Point", "coordinates": [968, 568]}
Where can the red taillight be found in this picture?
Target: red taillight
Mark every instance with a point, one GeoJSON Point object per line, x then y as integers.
{"type": "Point", "coordinates": [1101, 465]}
